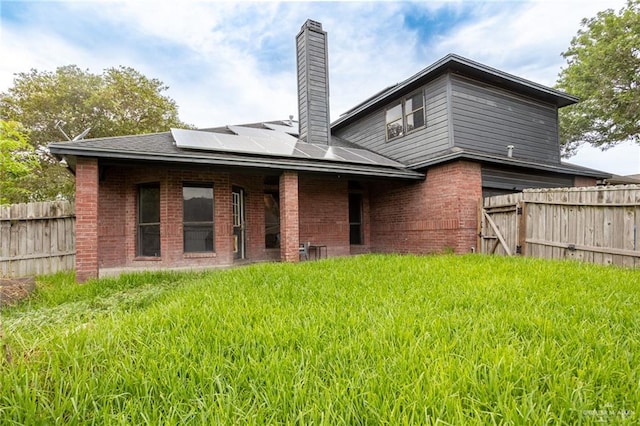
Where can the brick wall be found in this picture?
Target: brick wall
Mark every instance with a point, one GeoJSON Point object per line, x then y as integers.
{"type": "Point", "coordinates": [86, 219]}
{"type": "Point", "coordinates": [324, 213]}
{"type": "Point", "coordinates": [423, 217]}
{"type": "Point", "coordinates": [312, 209]}
{"type": "Point", "coordinates": [113, 212]}
{"type": "Point", "coordinates": [289, 214]}
{"type": "Point", "coordinates": [435, 215]}
{"type": "Point", "coordinates": [118, 217]}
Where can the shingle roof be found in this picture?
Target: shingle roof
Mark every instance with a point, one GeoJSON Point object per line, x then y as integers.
{"type": "Point", "coordinates": [161, 147]}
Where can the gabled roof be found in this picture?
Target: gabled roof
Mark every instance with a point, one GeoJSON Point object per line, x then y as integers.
{"type": "Point", "coordinates": [460, 65]}
{"type": "Point", "coordinates": [162, 147]}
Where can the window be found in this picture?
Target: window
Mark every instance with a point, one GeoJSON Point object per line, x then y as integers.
{"type": "Point", "coordinates": [406, 116]}
{"type": "Point", "coordinates": [355, 218]}
{"type": "Point", "coordinates": [394, 122]}
{"type": "Point", "coordinates": [414, 112]}
{"type": "Point", "coordinates": [149, 220]}
{"type": "Point", "coordinates": [271, 220]}
{"type": "Point", "coordinates": [197, 213]}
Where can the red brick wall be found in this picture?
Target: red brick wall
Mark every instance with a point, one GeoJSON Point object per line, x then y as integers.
{"type": "Point", "coordinates": [324, 213]}
{"type": "Point", "coordinates": [289, 214]}
{"type": "Point", "coordinates": [435, 215]}
{"type": "Point", "coordinates": [313, 209]}
{"type": "Point", "coordinates": [112, 218]}
{"type": "Point", "coordinates": [423, 217]}
{"type": "Point", "coordinates": [584, 181]}
{"type": "Point", "coordinates": [118, 217]}
{"type": "Point", "coordinates": [86, 219]}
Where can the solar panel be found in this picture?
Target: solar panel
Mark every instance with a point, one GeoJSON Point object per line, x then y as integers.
{"type": "Point", "coordinates": [332, 154]}
{"type": "Point", "coordinates": [373, 158]}
{"type": "Point", "coordinates": [196, 140]}
{"type": "Point", "coordinates": [263, 133]}
{"type": "Point", "coordinates": [311, 150]}
{"type": "Point", "coordinates": [210, 141]}
{"type": "Point", "coordinates": [349, 155]}
{"type": "Point", "coordinates": [285, 128]}
{"type": "Point", "coordinates": [273, 143]}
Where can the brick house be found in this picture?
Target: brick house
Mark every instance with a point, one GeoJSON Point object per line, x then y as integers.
{"type": "Point", "coordinates": [402, 172]}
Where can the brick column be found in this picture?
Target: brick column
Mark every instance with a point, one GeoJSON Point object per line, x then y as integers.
{"type": "Point", "coordinates": [289, 218]}
{"type": "Point", "coordinates": [86, 219]}
{"type": "Point", "coordinates": [466, 178]}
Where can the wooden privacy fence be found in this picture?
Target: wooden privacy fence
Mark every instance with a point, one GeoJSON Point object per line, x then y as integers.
{"type": "Point", "coordinates": [37, 238]}
{"type": "Point", "coordinates": [594, 224]}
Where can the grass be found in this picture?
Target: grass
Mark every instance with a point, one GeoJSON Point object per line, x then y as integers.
{"type": "Point", "coordinates": [366, 340]}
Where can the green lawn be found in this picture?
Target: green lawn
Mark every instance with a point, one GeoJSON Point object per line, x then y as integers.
{"type": "Point", "coordinates": [365, 340]}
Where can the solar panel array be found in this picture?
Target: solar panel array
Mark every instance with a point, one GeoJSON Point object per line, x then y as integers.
{"type": "Point", "coordinates": [277, 143]}
{"type": "Point", "coordinates": [286, 128]}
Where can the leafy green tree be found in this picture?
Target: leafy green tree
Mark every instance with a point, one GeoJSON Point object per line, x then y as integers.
{"type": "Point", "coordinates": [120, 101]}
{"type": "Point", "coordinates": [18, 161]}
{"type": "Point", "coordinates": [604, 72]}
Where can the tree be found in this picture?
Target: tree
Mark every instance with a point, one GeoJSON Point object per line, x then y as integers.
{"type": "Point", "coordinates": [18, 161]}
{"type": "Point", "coordinates": [120, 101]}
{"type": "Point", "coordinates": [603, 70]}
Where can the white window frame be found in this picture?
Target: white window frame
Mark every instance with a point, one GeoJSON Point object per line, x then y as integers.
{"type": "Point", "coordinates": [405, 115]}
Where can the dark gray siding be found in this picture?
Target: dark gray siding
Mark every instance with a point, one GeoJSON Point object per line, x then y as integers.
{"type": "Point", "coordinates": [504, 180]}
{"type": "Point", "coordinates": [369, 132]}
{"type": "Point", "coordinates": [488, 119]}
{"type": "Point", "coordinates": [313, 84]}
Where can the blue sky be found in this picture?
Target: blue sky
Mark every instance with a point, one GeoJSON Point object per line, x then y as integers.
{"type": "Point", "coordinates": [231, 63]}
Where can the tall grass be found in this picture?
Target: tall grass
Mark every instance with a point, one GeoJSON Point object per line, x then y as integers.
{"type": "Point", "coordinates": [366, 340]}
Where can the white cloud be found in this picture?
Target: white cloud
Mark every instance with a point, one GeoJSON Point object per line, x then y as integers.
{"type": "Point", "coordinates": [623, 159]}
{"type": "Point", "coordinates": [21, 52]}
{"type": "Point", "coordinates": [229, 63]}
{"type": "Point", "coordinates": [525, 39]}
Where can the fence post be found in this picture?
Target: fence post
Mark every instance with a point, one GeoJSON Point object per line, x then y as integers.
{"type": "Point", "coordinates": [521, 210]}
{"type": "Point", "coordinates": [479, 222]}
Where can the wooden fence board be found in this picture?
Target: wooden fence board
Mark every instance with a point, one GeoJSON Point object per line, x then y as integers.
{"type": "Point", "coordinates": [37, 238]}
{"type": "Point", "coordinates": [593, 224]}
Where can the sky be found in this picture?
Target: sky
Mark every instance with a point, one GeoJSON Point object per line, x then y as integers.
{"type": "Point", "coordinates": [234, 63]}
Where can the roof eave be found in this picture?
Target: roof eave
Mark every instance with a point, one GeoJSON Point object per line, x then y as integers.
{"type": "Point", "coordinates": [505, 161]}
{"type": "Point", "coordinates": [254, 162]}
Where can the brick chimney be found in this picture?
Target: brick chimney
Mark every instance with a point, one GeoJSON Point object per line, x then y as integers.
{"type": "Point", "coordinates": [313, 83]}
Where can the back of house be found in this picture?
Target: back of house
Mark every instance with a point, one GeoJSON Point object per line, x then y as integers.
{"type": "Point", "coordinates": [402, 172]}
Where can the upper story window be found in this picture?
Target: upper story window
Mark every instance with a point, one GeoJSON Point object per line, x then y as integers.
{"type": "Point", "coordinates": [405, 116]}
{"type": "Point", "coordinates": [394, 122]}
{"type": "Point", "coordinates": [414, 112]}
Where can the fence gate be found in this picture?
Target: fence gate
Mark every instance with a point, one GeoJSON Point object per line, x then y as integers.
{"type": "Point", "coordinates": [593, 224]}
{"type": "Point", "coordinates": [502, 225]}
